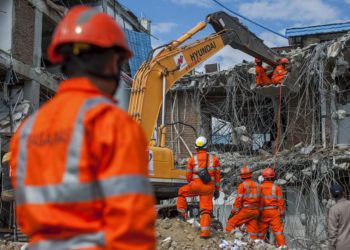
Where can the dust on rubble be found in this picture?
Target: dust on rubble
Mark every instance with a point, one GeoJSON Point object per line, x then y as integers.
{"type": "Point", "coordinates": [173, 234]}
{"type": "Point", "coordinates": [8, 245]}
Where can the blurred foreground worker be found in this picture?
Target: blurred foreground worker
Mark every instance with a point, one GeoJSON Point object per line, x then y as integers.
{"type": "Point", "coordinates": [261, 78]}
{"type": "Point", "coordinates": [80, 163]}
{"type": "Point", "coordinates": [203, 176]}
{"type": "Point", "coordinates": [281, 71]}
{"type": "Point", "coordinates": [246, 206]}
{"type": "Point", "coordinates": [339, 220]}
{"type": "Point", "coordinates": [272, 208]}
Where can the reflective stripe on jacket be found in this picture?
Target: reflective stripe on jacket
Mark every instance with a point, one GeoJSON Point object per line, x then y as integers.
{"type": "Point", "coordinates": [198, 162]}
{"type": "Point", "coordinates": [248, 195]}
{"type": "Point", "coordinates": [271, 196]}
{"type": "Point", "coordinates": [80, 174]}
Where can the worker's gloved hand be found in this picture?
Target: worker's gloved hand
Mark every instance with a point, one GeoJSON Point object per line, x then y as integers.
{"type": "Point", "coordinates": [216, 194]}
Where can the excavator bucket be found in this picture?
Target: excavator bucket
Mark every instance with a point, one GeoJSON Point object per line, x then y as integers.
{"type": "Point", "coordinates": [243, 39]}
{"type": "Point", "coordinates": [271, 90]}
{"type": "Point", "coordinates": [289, 85]}
{"type": "Point", "coordinates": [248, 42]}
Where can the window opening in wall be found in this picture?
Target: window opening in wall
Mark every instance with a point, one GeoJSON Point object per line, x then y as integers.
{"type": "Point", "coordinates": [259, 140]}
{"type": "Point", "coordinates": [221, 131]}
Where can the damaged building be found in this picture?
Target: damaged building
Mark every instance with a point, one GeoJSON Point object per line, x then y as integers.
{"type": "Point", "coordinates": [245, 124]}
{"type": "Point", "coordinates": [241, 120]}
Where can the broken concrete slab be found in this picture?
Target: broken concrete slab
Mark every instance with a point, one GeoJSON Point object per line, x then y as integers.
{"type": "Point", "coordinates": [182, 236]}
{"type": "Point", "coordinates": [307, 150]}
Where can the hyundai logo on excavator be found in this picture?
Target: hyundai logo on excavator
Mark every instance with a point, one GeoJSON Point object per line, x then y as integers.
{"type": "Point", "coordinates": [195, 56]}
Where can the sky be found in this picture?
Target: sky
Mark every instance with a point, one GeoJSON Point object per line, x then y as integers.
{"type": "Point", "coordinates": [171, 18]}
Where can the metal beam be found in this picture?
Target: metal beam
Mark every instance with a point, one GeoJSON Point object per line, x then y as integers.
{"type": "Point", "coordinates": [27, 72]}
{"type": "Point", "coordinates": [32, 87]}
{"type": "Point", "coordinates": [104, 6]}
{"type": "Point", "coordinates": [42, 6]}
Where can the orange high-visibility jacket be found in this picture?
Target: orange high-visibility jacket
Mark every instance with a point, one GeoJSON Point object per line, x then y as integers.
{"type": "Point", "coordinates": [80, 174]}
{"type": "Point", "coordinates": [199, 161]}
{"type": "Point", "coordinates": [248, 195]}
{"type": "Point", "coordinates": [271, 196]}
{"type": "Point", "coordinates": [261, 78]}
{"type": "Point", "coordinates": [279, 74]}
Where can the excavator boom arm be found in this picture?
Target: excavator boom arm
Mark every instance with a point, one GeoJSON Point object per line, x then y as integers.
{"type": "Point", "coordinates": [171, 63]}
{"type": "Point", "coordinates": [174, 61]}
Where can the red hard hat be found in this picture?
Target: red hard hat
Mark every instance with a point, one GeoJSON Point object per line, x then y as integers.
{"type": "Point", "coordinates": [84, 24]}
{"type": "Point", "coordinates": [268, 173]}
{"type": "Point", "coordinates": [257, 60]}
{"type": "Point", "coordinates": [246, 172]}
{"type": "Point", "coordinates": [284, 60]}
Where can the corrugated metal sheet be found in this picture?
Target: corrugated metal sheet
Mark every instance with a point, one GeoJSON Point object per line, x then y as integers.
{"type": "Point", "coordinates": [320, 29]}
{"type": "Point", "coordinates": [140, 44]}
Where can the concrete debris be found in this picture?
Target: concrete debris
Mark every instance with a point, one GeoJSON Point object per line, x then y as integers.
{"type": "Point", "coordinates": [307, 150]}
{"type": "Point", "coordinates": [20, 112]}
{"type": "Point", "coordinates": [344, 165]}
{"type": "Point", "coordinates": [240, 245]}
{"type": "Point", "coordinates": [178, 235]}
{"type": "Point", "coordinates": [281, 182]}
{"type": "Point", "coordinates": [240, 134]}
{"type": "Point", "coordinates": [303, 219]}
{"type": "Point", "coordinates": [8, 245]}
{"type": "Point", "coordinates": [293, 166]}
{"type": "Point", "coordinates": [289, 176]}
{"type": "Point", "coordinates": [339, 114]}
{"type": "Point", "coordinates": [297, 146]}
{"type": "Point", "coordinates": [264, 153]}
{"type": "Point", "coordinates": [307, 171]}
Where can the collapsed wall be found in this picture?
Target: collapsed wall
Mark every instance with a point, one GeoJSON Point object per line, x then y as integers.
{"type": "Point", "coordinates": [240, 120]}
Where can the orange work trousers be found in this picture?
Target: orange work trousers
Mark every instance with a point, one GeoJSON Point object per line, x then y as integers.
{"type": "Point", "coordinates": [272, 217]}
{"type": "Point", "coordinates": [247, 216]}
{"type": "Point", "coordinates": [205, 192]}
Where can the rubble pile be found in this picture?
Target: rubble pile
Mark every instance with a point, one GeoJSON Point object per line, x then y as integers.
{"type": "Point", "coordinates": [8, 245]}
{"type": "Point", "coordinates": [291, 164]}
{"type": "Point", "coordinates": [173, 234]}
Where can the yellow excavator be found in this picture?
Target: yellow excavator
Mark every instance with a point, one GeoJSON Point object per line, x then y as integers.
{"type": "Point", "coordinates": [157, 74]}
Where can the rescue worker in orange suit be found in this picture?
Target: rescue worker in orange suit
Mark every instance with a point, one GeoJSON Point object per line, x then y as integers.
{"type": "Point", "coordinates": [197, 187]}
{"type": "Point", "coordinates": [280, 72]}
{"type": "Point", "coordinates": [272, 208]}
{"type": "Point", "coordinates": [246, 206]}
{"type": "Point", "coordinates": [80, 162]}
{"type": "Point", "coordinates": [261, 78]}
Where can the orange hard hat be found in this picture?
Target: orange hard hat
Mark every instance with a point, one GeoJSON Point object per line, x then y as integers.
{"type": "Point", "coordinates": [268, 173]}
{"type": "Point", "coordinates": [257, 60]}
{"type": "Point", "coordinates": [86, 25]}
{"type": "Point", "coordinates": [246, 172]}
{"type": "Point", "coordinates": [284, 60]}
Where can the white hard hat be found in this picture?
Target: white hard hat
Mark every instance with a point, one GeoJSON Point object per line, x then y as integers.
{"type": "Point", "coordinates": [261, 179]}
{"type": "Point", "coordinates": [201, 142]}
